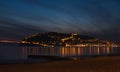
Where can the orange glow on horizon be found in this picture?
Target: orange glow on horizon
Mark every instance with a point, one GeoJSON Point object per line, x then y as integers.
{"type": "Point", "coordinates": [9, 41]}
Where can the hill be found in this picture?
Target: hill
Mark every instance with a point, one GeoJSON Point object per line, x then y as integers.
{"type": "Point", "coordinates": [51, 39]}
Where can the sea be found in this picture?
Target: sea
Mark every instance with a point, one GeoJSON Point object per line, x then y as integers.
{"type": "Point", "coordinates": [14, 53]}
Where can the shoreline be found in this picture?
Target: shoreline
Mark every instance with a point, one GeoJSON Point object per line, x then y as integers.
{"type": "Point", "coordinates": [45, 59]}
{"type": "Point", "coordinates": [96, 64]}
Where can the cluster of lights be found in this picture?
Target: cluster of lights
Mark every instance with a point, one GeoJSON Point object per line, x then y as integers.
{"type": "Point", "coordinates": [71, 37]}
{"type": "Point", "coordinates": [82, 44]}
{"type": "Point", "coordinates": [37, 43]}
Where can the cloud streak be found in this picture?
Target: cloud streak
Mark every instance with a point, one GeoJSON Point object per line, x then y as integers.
{"type": "Point", "coordinates": [100, 18]}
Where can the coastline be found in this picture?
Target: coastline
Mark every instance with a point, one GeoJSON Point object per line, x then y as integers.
{"type": "Point", "coordinates": [94, 64]}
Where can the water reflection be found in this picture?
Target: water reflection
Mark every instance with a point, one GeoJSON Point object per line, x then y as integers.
{"type": "Point", "coordinates": [21, 53]}
{"type": "Point", "coordinates": [70, 51]}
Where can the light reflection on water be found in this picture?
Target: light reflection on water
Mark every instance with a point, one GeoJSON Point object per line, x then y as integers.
{"type": "Point", "coordinates": [70, 51]}
{"type": "Point", "coordinates": [21, 53]}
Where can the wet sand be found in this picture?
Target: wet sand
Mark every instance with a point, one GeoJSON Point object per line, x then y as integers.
{"type": "Point", "coordinates": [97, 64]}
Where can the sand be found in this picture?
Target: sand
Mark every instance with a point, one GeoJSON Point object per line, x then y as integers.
{"type": "Point", "coordinates": [97, 64]}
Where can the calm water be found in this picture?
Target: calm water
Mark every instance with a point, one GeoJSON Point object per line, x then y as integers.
{"type": "Point", "coordinates": [21, 53]}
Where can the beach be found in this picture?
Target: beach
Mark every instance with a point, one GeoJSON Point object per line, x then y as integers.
{"type": "Point", "coordinates": [95, 64]}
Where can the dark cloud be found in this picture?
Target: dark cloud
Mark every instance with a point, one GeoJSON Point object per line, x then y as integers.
{"type": "Point", "coordinates": [16, 31]}
{"type": "Point", "coordinates": [100, 18]}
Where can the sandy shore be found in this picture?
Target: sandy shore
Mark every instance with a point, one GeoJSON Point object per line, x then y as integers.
{"type": "Point", "coordinates": [98, 64]}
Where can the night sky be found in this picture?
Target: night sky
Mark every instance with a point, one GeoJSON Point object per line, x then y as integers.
{"type": "Point", "coordinates": [98, 18]}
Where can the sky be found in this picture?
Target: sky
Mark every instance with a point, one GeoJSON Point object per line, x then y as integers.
{"type": "Point", "coordinates": [98, 18]}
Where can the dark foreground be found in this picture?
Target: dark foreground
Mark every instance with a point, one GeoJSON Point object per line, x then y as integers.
{"type": "Point", "coordinates": [98, 64]}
